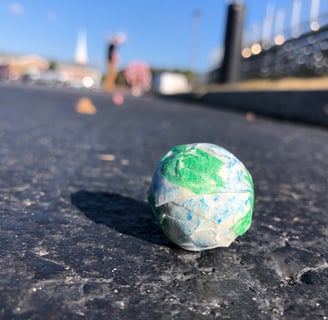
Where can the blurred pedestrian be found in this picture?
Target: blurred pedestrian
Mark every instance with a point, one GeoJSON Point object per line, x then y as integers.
{"type": "Point", "coordinates": [112, 60]}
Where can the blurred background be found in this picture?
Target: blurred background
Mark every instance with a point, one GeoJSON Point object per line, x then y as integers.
{"type": "Point", "coordinates": [64, 43]}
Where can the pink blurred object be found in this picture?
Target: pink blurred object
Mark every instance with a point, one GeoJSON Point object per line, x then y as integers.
{"type": "Point", "coordinates": [118, 99]}
{"type": "Point", "coordinates": [138, 76]}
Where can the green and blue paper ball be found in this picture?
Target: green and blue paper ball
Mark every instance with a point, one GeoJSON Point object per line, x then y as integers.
{"type": "Point", "coordinates": [202, 196]}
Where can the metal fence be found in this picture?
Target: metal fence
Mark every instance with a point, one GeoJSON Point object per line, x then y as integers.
{"type": "Point", "coordinates": [298, 52]}
{"type": "Point", "coordinates": [306, 55]}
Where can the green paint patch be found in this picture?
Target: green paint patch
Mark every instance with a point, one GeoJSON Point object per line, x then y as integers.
{"type": "Point", "coordinates": [193, 169]}
{"type": "Point", "coordinates": [165, 224]}
{"type": "Point", "coordinates": [174, 150]}
{"type": "Point", "coordinates": [243, 224]}
{"type": "Point", "coordinates": [151, 200]}
{"type": "Point", "coordinates": [249, 179]}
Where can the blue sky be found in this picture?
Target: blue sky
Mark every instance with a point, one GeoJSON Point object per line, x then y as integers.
{"type": "Point", "coordinates": [158, 32]}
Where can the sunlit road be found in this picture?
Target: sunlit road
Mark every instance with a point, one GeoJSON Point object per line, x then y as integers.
{"type": "Point", "coordinates": [77, 239]}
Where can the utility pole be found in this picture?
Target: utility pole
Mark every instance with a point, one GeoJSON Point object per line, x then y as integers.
{"type": "Point", "coordinates": [295, 19]}
{"type": "Point", "coordinates": [194, 44]}
{"type": "Point", "coordinates": [314, 15]}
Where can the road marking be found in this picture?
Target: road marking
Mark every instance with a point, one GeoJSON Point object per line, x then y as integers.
{"type": "Point", "coordinates": [107, 157]}
{"type": "Point", "coordinates": [85, 106]}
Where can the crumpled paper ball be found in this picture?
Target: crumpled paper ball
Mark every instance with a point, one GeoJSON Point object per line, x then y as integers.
{"type": "Point", "coordinates": [202, 196]}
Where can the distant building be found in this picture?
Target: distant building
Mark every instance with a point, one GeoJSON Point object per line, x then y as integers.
{"type": "Point", "coordinates": [79, 76]}
{"type": "Point", "coordinates": [70, 74]}
{"type": "Point", "coordinates": [19, 65]}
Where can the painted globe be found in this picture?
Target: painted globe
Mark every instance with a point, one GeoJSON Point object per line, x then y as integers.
{"type": "Point", "coordinates": [202, 196]}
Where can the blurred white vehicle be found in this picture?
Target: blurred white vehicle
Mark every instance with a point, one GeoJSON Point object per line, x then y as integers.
{"type": "Point", "coordinates": [170, 83]}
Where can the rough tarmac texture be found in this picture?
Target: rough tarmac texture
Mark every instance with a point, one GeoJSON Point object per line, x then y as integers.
{"type": "Point", "coordinates": [78, 240]}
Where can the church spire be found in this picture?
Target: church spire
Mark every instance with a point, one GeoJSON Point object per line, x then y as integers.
{"type": "Point", "coordinates": [81, 54]}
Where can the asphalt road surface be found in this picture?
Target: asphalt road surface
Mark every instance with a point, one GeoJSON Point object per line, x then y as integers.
{"type": "Point", "coordinates": [78, 240]}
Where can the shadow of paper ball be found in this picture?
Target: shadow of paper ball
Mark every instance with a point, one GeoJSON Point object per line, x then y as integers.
{"type": "Point", "coordinates": [123, 214]}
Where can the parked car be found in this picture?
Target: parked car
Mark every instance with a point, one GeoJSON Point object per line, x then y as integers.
{"type": "Point", "coordinates": [4, 73]}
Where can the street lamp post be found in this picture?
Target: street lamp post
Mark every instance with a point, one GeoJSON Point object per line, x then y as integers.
{"type": "Point", "coordinates": [194, 44]}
